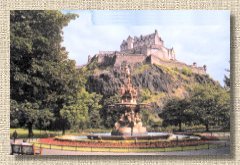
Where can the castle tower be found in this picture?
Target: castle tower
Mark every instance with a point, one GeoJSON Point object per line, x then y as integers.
{"type": "Point", "coordinates": [130, 42]}
{"type": "Point", "coordinates": [123, 46]}
{"type": "Point", "coordinates": [157, 39]}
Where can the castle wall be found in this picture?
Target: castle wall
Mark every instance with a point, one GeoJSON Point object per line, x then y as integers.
{"type": "Point", "coordinates": [199, 70]}
{"type": "Point", "coordinates": [129, 59]}
{"type": "Point", "coordinates": [176, 64]}
{"type": "Point", "coordinates": [104, 55]}
{"type": "Point", "coordinates": [158, 53]}
{"type": "Point", "coordinates": [117, 59]}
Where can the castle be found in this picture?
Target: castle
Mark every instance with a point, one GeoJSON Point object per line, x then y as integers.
{"type": "Point", "coordinates": [144, 49]}
{"type": "Point", "coordinates": [149, 45]}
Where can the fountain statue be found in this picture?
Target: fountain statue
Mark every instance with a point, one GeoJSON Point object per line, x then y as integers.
{"type": "Point", "coordinates": [130, 122]}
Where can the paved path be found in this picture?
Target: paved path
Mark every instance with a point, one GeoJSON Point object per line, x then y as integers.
{"type": "Point", "coordinates": [217, 151]}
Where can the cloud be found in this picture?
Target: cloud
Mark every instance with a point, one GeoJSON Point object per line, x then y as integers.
{"type": "Point", "coordinates": [197, 36]}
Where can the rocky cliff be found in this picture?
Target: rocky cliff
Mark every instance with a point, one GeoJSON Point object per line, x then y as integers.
{"type": "Point", "coordinates": [155, 83]}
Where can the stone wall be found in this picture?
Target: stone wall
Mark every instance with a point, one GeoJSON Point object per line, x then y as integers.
{"type": "Point", "coordinates": [175, 64]}
{"type": "Point", "coordinates": [117, 58]}
{"type": "Point", "coordinates": [102, 57]}
{"type": "Point", "coordinates": [129, 59]}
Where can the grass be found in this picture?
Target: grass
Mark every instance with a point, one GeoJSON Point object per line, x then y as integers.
{"type": "Point", "coordinates": [174, 72]}
{"type": "Point", "coordinates": [23, 133]}
{"type": "Point", "coordinates": [155, 97]}
{"type": "Point", "coordinates": [141, 69]}
{"type": "Point", "coordinates": [186, 71]}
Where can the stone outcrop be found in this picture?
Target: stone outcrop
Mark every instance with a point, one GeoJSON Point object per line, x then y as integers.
{"type": "Point", "coordinates": [154, 78]}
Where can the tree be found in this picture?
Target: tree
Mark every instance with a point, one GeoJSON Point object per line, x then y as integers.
{"type": "Point", "coordinates": [76, 115]}
{"type": "Point", "coordinates": [210, 105]}
{"type": "Point", "coordinates": [15, 120]}
{"type": "Point", "coordinates": [149, 118]}
{"type": "Point", "coordinates": [176, 112]}
{"type": "Point", "coordinates": [227, 80]}
{"type": "Point", "coordinates": [30, 113]}
{"type": "Point", "coordinates": [40, 72]}
{"type": "Point", "coordinates": [76, 112]}
{"type": "Point", "coordinates": [224, 107]}
{"type": "Point", "coordinates": [94, 107]}
{"type": "Point", "coordinates": [83, 112]}
{"type": "Point", "coordinates": [45, 118]}
{"type": "Point", "coordinates": [109, 113]}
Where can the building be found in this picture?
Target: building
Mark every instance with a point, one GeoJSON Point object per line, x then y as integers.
{"type": "Point", "coordinates": [144, 49]}
{"type": "Point", "coordinates": [147, 45]}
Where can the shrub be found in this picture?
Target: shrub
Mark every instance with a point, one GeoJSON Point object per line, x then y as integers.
{"type": "Point", "coordinates": [186, 71]}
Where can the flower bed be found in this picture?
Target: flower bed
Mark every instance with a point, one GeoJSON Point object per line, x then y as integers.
{"type": "Point", "coordinates": [101, 144]}
{"type": "Point", "coordinates": [207, 136]}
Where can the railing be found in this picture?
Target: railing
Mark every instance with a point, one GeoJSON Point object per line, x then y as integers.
{"type": "Point", "coordinates": [132, 149]}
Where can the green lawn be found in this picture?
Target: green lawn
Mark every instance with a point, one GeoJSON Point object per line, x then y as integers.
{"type": "Point", "coordinates": [23, 133]}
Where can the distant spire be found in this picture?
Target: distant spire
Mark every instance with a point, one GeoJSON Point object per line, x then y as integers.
{"type": "Point", "coordinates": [129, 38]}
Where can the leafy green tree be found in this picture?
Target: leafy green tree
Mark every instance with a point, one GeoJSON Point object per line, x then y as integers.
{"type": "Point", "coordinates": [83, 112]}
{"type": "Point", "coordinates": [76, 112]}
{"type": "Point", "coordinates": [149, 118]}
{"type": "Point", "coordinates": [40, 72]}
{"type": "Point", "coordinates": [76, 115]}
{"type": "Point", "coordinates": [94, 108]}
{"type": "Point", "coordinates": [45, 118]}
{"type": "Point", "coordinates": [109, 113]}
{"type": "Point", "coordinates": [30, 113]}
{"type": "Point", "coordinates": [15, 120]}
{"type": "Point", "coordinates": [210, 105]}
{"type": "Point", "coordinates": [176, 112]}
{"type": "Point", "coordinates": [224, 107]}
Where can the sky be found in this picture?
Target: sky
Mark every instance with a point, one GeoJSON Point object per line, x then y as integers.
{"type": "Point", "coordinates": [201, 36]}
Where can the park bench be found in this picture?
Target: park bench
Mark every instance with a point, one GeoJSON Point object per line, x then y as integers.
{"type": "Point", "coordinates": [21, 149]}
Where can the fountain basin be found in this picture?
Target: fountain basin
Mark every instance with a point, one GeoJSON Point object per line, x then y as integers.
{"type": "Point", "coordinates": [162, 136]}
{"type": "Point", "coordinates": [126, 137]}
{"type": "Point", "coordinates": [146, 136]}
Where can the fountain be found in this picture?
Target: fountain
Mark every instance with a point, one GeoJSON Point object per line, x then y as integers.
{"type": "Point", "coordinates": [130, 122]}
{"type": "Point", "coordinates": [129, 125]}
{"type": "Point", "coordinates": [129, 128]}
